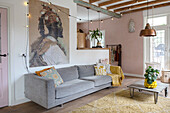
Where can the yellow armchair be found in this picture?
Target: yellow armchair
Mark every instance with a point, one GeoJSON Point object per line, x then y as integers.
{"type": "Point", "coordinates": [117, 75]}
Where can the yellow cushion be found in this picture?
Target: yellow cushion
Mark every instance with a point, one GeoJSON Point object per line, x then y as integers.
{"type": "Point", "coordinates": [100, 70]}
{"type": "Point", "coordinates": [38, 72]}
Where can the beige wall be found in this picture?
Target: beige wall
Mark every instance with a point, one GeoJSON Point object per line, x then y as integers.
{"type": "Point", "coordinates": [116, 32]}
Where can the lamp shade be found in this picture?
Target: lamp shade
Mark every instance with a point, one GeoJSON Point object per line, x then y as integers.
{"type": "Point", "coordinates": [148, 32]}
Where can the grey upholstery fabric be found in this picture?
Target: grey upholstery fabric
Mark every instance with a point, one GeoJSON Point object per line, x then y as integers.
{"type": "Point", "coordinates": [68, 73]}
{"type": "Point", "coordinates": [72, 87]}
{"type": "Point", "coordinates": [80, 94]}
{"type": "Point", "coordinates": [85, 70]}
{"type": "Point", "coordinates": [99, 79]}
{"type": "Point", "coordinates": [41, 90]}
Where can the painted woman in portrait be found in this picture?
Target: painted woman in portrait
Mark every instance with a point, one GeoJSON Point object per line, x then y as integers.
{"type": "Point", "coordinates": [47, 49]}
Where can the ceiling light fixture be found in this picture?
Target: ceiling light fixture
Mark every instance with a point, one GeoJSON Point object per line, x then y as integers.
{"type": "Point", "coordinates": [148, 31]}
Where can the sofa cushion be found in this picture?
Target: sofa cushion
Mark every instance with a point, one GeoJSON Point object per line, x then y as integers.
{"type": "Point", "coordinates": [38, 72]}
{"type": "Point", "coordinates": [100, 70]}
{"type": "Point", "coordinates": [68, 73]}
{"type": "Point", "coordinates": [72, 87]}
{"type": "Point", "coordinates": [53, 74]}
{"type": "Point", "coordinates": [85, 70]}
{"type": "Point", "coordinates": [98, 80]}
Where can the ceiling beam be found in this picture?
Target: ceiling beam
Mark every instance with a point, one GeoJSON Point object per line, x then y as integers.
{"type": "Point", "coordinates": [92, 1]}
{"type": "Point", "coordinates": [140, 5]}
{"type": "Point", "coordinates": [96, 8]}
{"type": "Point", "coordinates": [142, 9]}
{"type": "Point", "coordinates": [109, 2]}
{"type": "Point", "coordinates": [124, 4]}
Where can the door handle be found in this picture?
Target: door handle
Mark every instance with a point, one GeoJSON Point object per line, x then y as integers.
{"type": "Point", "coordinates": [4, 55]}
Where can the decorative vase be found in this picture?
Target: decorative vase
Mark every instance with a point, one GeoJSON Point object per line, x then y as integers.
{"type": "Point", "coordinates": [99, 44]}
{"type": "Point", "coordinates": [150, 86]}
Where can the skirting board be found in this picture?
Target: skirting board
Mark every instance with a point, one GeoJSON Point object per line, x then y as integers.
{"type": "Point", "coordinates": [21, 101]}
{"type": "Point", "coordinates": [133, 75]}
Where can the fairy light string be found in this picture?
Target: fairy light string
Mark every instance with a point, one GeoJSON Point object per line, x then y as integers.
{"type": "Point", "coordinates": [68, 15]}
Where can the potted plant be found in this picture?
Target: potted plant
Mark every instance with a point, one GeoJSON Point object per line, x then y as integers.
{"type": "Point", "coordinates": [150, 77]}
{"type": "Point", "coordinates": [96, 34]}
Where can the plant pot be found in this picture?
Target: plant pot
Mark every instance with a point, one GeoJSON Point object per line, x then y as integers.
{"type": "Point", "coordinates": [150, 86]}
{"type": "Point", "coordinates": [99, 44]}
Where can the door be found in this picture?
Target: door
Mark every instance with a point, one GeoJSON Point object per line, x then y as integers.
{"type": "Point", "coordinates": [3, 58]}
{"type": "Point", "coordinates": [159, 47]}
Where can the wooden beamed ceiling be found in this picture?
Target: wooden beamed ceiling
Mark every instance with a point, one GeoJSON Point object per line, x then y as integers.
{"type": "Point", "coordinates": [124, 6]}
{"type": "Point", "coordinates": [109, 2]}
{"type": "Point", "coordinates": [92, 1]}
{"type": "Point", "coordinates": [141, 9]}
{"type": "Point", "coordinates": [139, 5]}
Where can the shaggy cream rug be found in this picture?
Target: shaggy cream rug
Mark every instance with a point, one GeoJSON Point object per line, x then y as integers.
{"type": "Point", "coordinates": [120, 102]}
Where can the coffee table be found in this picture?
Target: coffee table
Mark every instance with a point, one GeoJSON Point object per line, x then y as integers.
{"type": "Point", "coordinates": [140, 86]}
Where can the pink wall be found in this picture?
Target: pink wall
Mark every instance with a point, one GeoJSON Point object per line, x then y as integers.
{"type": "Point", "coordinates": [116, 32]}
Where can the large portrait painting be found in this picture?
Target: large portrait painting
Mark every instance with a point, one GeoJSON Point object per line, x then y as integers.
{"type": "Point", "coordinates": [48, 34]}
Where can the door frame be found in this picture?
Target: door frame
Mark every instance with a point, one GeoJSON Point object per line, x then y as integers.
{"type": "Point", "coordinates": [9, 8]}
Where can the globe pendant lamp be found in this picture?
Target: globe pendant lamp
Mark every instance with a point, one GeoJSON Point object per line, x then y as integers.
{"type": "Point", "coordinates": [148, 31]}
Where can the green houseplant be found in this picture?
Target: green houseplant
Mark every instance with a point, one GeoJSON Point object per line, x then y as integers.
{"type": "Point", "coordinates": [96, 34]}
{"type": "Point", "coordinates": [151, 75]}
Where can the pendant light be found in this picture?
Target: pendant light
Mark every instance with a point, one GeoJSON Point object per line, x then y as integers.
{"type": "Point", "coordinates": [148, 31]}
{"type": "Point", "coordinates": [99, 19]}
{"type": "Point", "coordinates": [88, 33]}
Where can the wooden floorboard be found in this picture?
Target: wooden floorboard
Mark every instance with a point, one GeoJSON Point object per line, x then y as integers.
{"type": "Point", "coordinates": [31, 107]}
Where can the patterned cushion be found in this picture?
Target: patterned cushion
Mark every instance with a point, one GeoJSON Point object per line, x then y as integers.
{"type": "Point", "coordinates": [53, 74]}
{"type": "Point", "coordinates": [38, 72]}
{"type": "Point", "coordinates": [100, 70]}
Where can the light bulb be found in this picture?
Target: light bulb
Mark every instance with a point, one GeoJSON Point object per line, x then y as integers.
{"type": "Point", "coordinates": [26, 3]}
{"type": "Point", "coordinates": [58, 10]}
{"type": "Point", "coordinates": [101, 21]}
{"type": "Point", "coordinates": [91, 21]}
{"type": "Point", "coordinates": [112, 18]}
{"type": "Point", "coordinates": [28, 15]}
{"type": "Point", "coordinates": [27, 26]}
{"type": "Point", "coordinates": [49, 3]}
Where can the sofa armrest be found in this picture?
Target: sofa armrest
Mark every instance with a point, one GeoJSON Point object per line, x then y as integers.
{"type": "Point", "coordinates": [40, 90]}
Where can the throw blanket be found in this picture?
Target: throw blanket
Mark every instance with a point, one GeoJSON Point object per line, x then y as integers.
{"type": "Point", "coordinates": [117, 75]}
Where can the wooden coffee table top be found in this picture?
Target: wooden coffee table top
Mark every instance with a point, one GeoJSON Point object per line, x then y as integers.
{"type": "Point", "coordinates": [140, 85]}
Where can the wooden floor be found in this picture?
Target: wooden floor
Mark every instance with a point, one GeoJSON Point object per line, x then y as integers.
{"type": "Point", "coordinates": [31, 107]}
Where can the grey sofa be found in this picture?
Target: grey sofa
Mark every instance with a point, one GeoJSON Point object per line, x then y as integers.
{"type": "Point", "coordinates": [78, 81]}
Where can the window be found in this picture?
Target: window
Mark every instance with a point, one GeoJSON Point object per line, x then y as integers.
{"type": "Point", "coordinates": [158, 48]}
{"type": "Point", "coordinates": [158, 21]}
